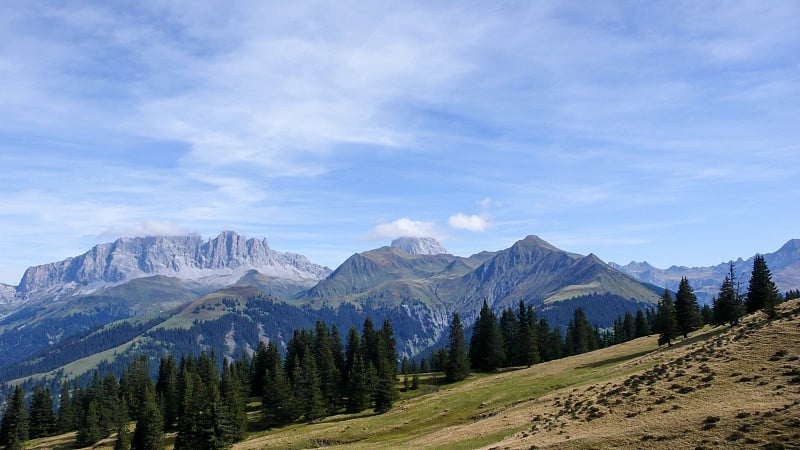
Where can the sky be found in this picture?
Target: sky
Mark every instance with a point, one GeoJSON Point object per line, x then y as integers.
{"type": "Point", "coordinates": [659, 131]}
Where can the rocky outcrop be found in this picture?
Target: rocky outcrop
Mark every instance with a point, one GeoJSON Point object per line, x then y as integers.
{"type": "Point", "coordinates": [7, 293]}
{"type": "Point", "coordinates": [419, 246]}
{"type": "Point", "coordinates": [218, 262]}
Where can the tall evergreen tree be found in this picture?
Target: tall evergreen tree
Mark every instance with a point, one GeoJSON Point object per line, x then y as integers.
{"type": "Point", "coordinates": [509, 330]}
{"type": "Point", "coordinates": [629, 325]}
{"type": "Point", "coordinates": [123, 440]}
{"type": "Point", "coordinates": [307, 389]}
{"type": "Point", "coordinates": [707, 314]}
{"type": "Point", "coordinates": [762, 292]}
{"type": "Point", "coordinates": [385, 390]}
{"type": "Point", "coordinates": [167, 390]}
{"type": "Point", "coordinates": [89, 430]}
{"type": "Point", "coordinates": [41, 418]}
{"type": "Point", "coordinates": [14, 425]}
{"type": "Point", "coordinates": [149, 431]}
{"type": "Point", "coordinates": [357, 390]}
{"type": "Point", "coordinates": [728, 306]}
{"type": "Point", "coordinates": [486, 345]}
{"type": "Point", "coordinates": [666, 320]}
{"type": "Point", "coordinates": [642, 326]}
{"type": "Point", "coordinates": [279, 406]}
{"type": "Point", "coordinates": [457, 362]}
{"type": "Point", "coordinates": [233, 418]}
{"type": "Point", "coordinates": [687, 312]}
{"type": "Point", "coordinates": [581, 336]}
{"type": "Point", "coordinates": [259, 370]}
{"type": "Point", "coordinates": [66, 420]}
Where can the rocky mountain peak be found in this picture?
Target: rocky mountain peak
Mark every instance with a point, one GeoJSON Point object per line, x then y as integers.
{"type": "Point", "coordinates": [217, 262]}
{"type": "Point", "coordinates": [419, 246]}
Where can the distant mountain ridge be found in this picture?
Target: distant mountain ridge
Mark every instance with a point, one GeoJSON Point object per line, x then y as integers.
{"type": "Point", "coordinates": [214, 263]}
{"type": "Point", "coordinates": [783, 263]}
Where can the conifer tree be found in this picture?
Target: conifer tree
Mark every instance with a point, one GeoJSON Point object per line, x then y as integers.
{"type": "Point", "coordinates": [328, 371]}
{"type": "Point", "coordinates": [357, 391]}
{"type": "Point", "coordinates": [167, 390]}
{"type": "Point", "coordinates": [581, 337]}
{"type": "Point", "coordinates": [728, 306]}
{"type": "Point", "coordinates": [486, 345]}
{"type": "Point", "coordinates": [123, 440]}
{"type": "Point", "coordinates": [762, 292]}
{"type": "Point", "coordinates": [259, 370]}
{"type": "Point", "coordinates": [89, 430]}
{"type": "Point", "coordinates": [629, 326]}
{"type": "Point", "coordinates": [641, 324]}
{"type": "Point", "coordinates": [233, 418]}
{"type": "Point", "coordinates": [278, 404]}
{"type": "Point", "coordinates": [707, 314]}
{"type": "Point", "coordinates": [385, 390]}
{"type": "Point", "coordinates": [424, 366]}
{"type": "Point", "coordinates": [41, 418]}
{"type": "Point", "coordinates": [687, 312]}
{"type": "Point", "coordinates": [66, 421]}
{"type": "Point", "coordinates": [404, 370]}
{"type": "Point", "coordinates": [667, 323]}
{"type": "Point", "coordinates": [307, 389]}
{"type": "Point", "coordinates": [149, 432]}
{"type": "Point", "coordinates": [457, 367]}
{"type": "Point", "coordinates": [14, 425]}
{"type": "Point", "coordinates": [509, 330]}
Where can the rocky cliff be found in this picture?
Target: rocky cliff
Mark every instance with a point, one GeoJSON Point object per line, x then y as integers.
{"type": "Point", "coordinates": [216, 262]}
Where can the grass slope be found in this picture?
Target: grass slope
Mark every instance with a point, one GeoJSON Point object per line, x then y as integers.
{"type": "Point", "coordinates": [721, 388]}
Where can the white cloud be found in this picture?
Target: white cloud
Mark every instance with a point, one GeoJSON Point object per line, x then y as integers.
{"type": "Point", "coordinates": [146, 228]}
{"type": "Point", "coordinates": [471, 223]}
{"type": "Point", "coordinates": [402, 227]}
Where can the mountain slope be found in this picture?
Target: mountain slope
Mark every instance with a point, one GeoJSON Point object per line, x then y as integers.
{"type": "Point", "coordinates": [783, 263]}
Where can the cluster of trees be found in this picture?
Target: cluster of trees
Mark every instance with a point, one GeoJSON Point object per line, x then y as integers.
{"type": "Point", "coordinates": [684, 315]}
{"type": "Point", "coordinates": [792, 294]}
{"type": "Point", "coordinates": [206, 405]}
{"type": "Point", "coordinates": [520, 339]}
{"type": "Point", "coordinates": [319, 376]}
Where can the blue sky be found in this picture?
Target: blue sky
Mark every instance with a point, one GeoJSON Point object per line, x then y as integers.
{"type": "Point", "coordinates": [658, 131]}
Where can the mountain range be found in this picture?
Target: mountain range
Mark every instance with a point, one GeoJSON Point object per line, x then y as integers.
{"type": "Point", "coordinates": [784, 264]}
{"type": "Point", "coordinates": [184, 294]}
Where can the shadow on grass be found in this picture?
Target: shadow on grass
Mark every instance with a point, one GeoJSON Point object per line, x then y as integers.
{"type": "Point", "coordinates": [618, 359]}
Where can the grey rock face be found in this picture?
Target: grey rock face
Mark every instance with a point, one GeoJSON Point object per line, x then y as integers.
{"type": "Point", "coordinates": [419, 246]}
{"type": "Point", "coordinates": [7, 293]}
{"type": "Point", "coordinates": [217, 262]}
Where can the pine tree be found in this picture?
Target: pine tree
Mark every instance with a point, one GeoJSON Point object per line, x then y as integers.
{"type": "Point", "coordinates": [279, 406]}
{"type": "Point", "coordinates": [149, 432]}
{"type": "Point", "coordinates": [728, 306]}
{"type": "Point", "coordinates": [167, 390]}
{"type": "Point", "coordinates": [123, 441]}
{"type": "Point", "coordinates": [327, 368]}
{"type": "Point", "coordinates": [629, 326]}
{"type": "Point", "coordinates": [667, 323]}
{"type": "Point", "coordinates": [457, 367]}
{"type": "Point", "coordinates": [405, 372]}
{"type": "Point", "coordinates": [385, 391]}
{"type": "Point", "coordinates": [14, 425]}
{"type": "Point", "coordinates": [259, 370]}
{"type": "Point", "coordinates": [486, 345]}
{"type": "Point", "coordinates": [357, 390]}
{"type": "Point", "coordinates": [424, 367]}
{"type": "Point", "coordinates": [762, 292]}
{"type": "Point", "coordinates": [707, 314]}
{"type": "Point", "coordinates": [687, 312]}
{"type": "Point", "coordinates": [41, 418]}
{"type": "Point", "coordinates": [307, 389]}
{"type": "Point", "coordinates": [581, 336]}
{"type": "Point", "coordinates": [509, 330]}
{"type": "Point", "coordinates": [66, 421]}
{"type": "Point", "coordinates": [233, 418]}
{"type": "Point", "coordinates": [641, 324]}
{"type": "Point", "coordinates": [89, 430]}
